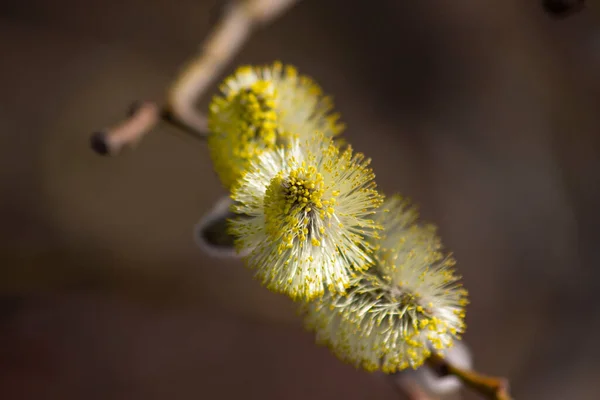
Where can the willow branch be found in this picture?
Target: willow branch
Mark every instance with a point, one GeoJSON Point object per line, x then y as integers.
{"type": "Point", "coordinates": [491, 387]}
{"type": "Point", "coordinates": [233, 29]}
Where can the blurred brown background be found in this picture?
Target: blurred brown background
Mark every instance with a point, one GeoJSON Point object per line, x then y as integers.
{"type": "Point", "coordinates": [484, 112]}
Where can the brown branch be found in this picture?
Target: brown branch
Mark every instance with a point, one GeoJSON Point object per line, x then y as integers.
{"type": "Point", "coordinates": [491, 387]}
{"type": "Point", "coordinates": [240, 18]}
{"type": "Point", "coordinates": [127, 132]}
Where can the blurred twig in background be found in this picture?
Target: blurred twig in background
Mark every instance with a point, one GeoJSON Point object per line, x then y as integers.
{"type": "Point", "coordinates": [563, 8]}
{"type": "Point", "coordinates": [239, 19]}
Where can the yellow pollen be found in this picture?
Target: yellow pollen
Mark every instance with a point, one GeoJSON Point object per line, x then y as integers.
{"type": "Point", "coordinates": [292, 201]}
{"type": "Point", "coordinates": [254, 110]}
{"type": "Point", "coordinates": [251, 128]}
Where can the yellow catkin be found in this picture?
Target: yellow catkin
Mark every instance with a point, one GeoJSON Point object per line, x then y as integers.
{"type": "Point", "coordinates": [262, 107]}
{"type": "Point", "coordinates": [396, 313]}
{"type": "Point", "coordinates": [311, 209]}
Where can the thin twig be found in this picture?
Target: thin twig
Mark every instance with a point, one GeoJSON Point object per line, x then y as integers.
{"type": "Point", "coordinates": [128, 132]}
{"type": "Point", "coordinates": [491, 387]}
{"type": "Point", "coordinates": [240, 18]}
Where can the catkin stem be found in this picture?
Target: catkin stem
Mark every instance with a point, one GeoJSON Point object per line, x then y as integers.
{"type": "Point", "coordinates": [492, 387]}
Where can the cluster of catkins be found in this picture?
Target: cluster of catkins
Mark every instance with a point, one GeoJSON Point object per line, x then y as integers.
{"type": "Point", "coordinates": [374, 285]}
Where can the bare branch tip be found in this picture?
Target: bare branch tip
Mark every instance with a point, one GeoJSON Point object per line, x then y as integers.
{"type": "Point", "coordinates": [142, 117]}
{"type": "Point", "coordinates": [98, 143]}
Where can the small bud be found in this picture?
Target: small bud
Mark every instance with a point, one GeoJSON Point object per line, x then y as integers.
{"type": "Point", "coordinates": [439, 382]}
{"type": "Point", "coordinates": [210, 233]}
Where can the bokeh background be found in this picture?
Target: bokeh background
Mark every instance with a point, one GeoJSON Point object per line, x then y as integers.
{"type": "Point", "coordinates": [483, 112]}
